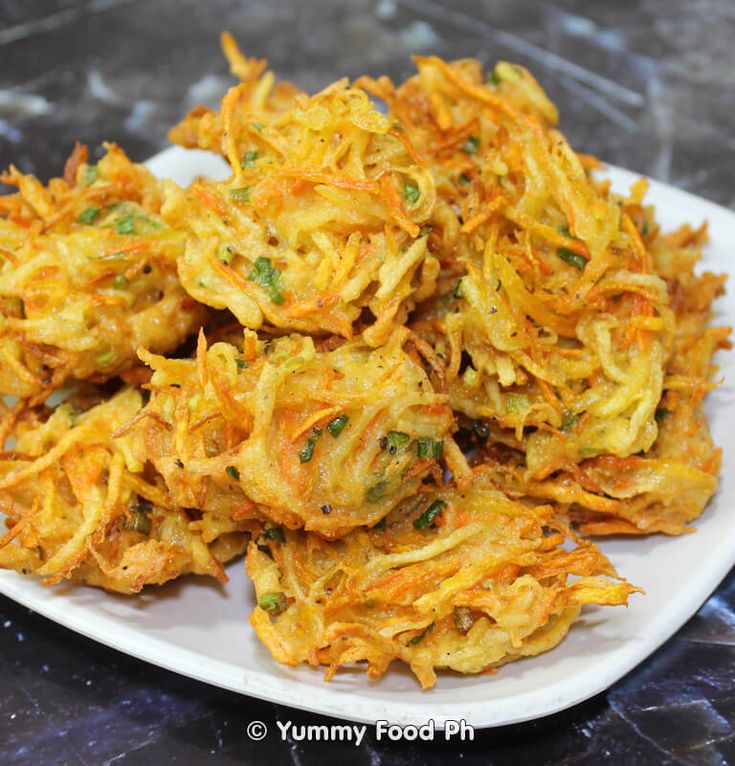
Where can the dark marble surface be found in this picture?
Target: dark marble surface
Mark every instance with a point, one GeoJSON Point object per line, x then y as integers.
{"type": "Point", "coordinates": [648, 84]}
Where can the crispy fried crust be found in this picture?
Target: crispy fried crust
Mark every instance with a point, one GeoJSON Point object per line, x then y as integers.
{"type": "Point", "coordinates": [76, 510]}
{"type": "Point", "coordinates": [484, 584]}
{"type": "Point", "coordinates": [327, 439]}
{"type": "Point", "coordinates": [88, 274]}
{"type": "Point", "coordinates": [318, 229]}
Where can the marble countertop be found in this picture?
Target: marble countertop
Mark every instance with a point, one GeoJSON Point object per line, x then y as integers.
{"type": "Point", "coordinates": [647, 84]}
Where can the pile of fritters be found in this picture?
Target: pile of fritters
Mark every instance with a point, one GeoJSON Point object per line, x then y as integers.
{"type": "Point", "coordinates": [404, 360]}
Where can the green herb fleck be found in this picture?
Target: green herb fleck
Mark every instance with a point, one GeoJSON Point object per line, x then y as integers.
{"type": "Point", "coordinates": [337, 425]}
{"type": "Point", "coordinates": [517, 402]}
{"type": "Point", "coordinates": [307, 451]}
{"type": "Point", "coordinates": [429, 449]}
{"type": "Point", "coordinates": [273, 602]}
{"type": "Point", "coordinates": [375, 493]}
{"type": "Point", "coordinates": [463, 619]}
{"type": "Point", "coordinates": [90, 174]}
{"type": "Point", "coordinates": [119, 281]}
{"type": "Point", "coordinates": [89, 215]}
{"type": "Point", "coordinates": [570, 420]}
{"type": "Point", "coordinates": [425, 230]}
{"type": "Point", "coordinates": [471, 144]}
{"type": "Point", "coordinates": [428, 517]}
{"type": "Point", "coordinates": [411, 193]}
{"type": "Point", "coordinates": [395, 440]}
{"type": "Point", "coordinates": [226, 254]}
{"type": "Point", "coordinates": [232, 472]}
{"type": "Point", "coordinates": [242, 194]}
{"type": "Point", "coordinates": [248, 159]}
{"type": "Point", "coordinates": [421, 636]}
{"type": "Point", "coordinates": [125, 225]}
{"type": "Point", "coordinates": [457, 290]}
{"type": "Point", "coordinates": [265, 275]}
{"type": "Point", "coordinates": [275, 534]}
{"type": "Point", "coordinates": [241, 364]}
{"type": "Point", "coordinates": [141, 522]}
{"type": "Point", "coordinates": [661, 413]}
{"type": "Point", "coordinates": [257, 126]}
{"type": "Point", "coordinates": [645, 228]}
{"type": "Point", "coordinates": [572, 258]}
{"type": "Point", "coordinates": [494, 78]}
{"type": "Point", "coordinates": [105, 358]}
{"type": "Point", "coordinates": [465, 180]}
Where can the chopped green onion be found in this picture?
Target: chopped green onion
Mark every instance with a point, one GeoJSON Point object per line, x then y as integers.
{"type": "Point", "coordinates": [248, 159]}
{"type": "Point", "coordinates": [141, 522]}
{"type": "Point", "coordinates": [337, 425]}
{"type": "Point", "coordinates": [105, 358]}
{"type": "Point", "coordinates": [425, 230]}
{"type": "Point", "coordinates": [572, 258]}
{"type": "Point", "coordinates": [232, 472]}
{"type": "Point", "coordinates": [307, 451]}
{"type": "Point", "coordinates": [471, 376]}
{"type": "Point", "coordinates": [463, 619]}
{"type": "Point", "coordinates": [421, 636]}
{"type": "Point", "coordinates": [661, 413]}
{"type": "Point", "coordinates": [241, 364]}
{"type": "Point", "coordinates": [90, 174]}
{"type": "Point", "coordinates": [193, 400]}
{"type": "Point", "coordinates": [89, 215]}
{"type": "Point", "coordinates": [517, 402]}
{"type": "Point", "coordinates": [273, 602]}
{"type": "Point", "coordinates": [457, 290]}
{"type": "Point", "coordinates": [471, 144]}
{"type": "Point", "coordinates": [375, 493]}
{"type": "Point", "coordinates": [257, 126]}
{"type": "Point", "coordinates": [427, 518]}
{"type": "Point", "coordinates": [274, 533]}
{"type": "Point", "coordinates": [119, 281]}
{"type": "Point", "coordinates": [125, 225]}
{"type": "Point", "coordinates": [570, 420]}
{"type": "Point", "coordinates": [242, 194]}
{"type": "Point", "coordinates": [430, 448]}
{"type": "Point", "coordinates": [411, 193]}
{"type": "Point", "coordinates": [395, 440]}
{"type": "Point", "coordinates": [494, 78]}
{"type": "Point", "coordinates": [265, 275]}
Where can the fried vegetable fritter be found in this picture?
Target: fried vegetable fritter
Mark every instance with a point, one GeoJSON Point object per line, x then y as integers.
{"type": "Point", "coordinates": [326, 439]}
{"type": "Point", "coordinates": [319, 227]}
{"type": "Point", "coordinates": [87, 275]}
{"type": "Point", "coordinates": [76, 511]}
{"type": "Point", "coordinates": [461, 580]}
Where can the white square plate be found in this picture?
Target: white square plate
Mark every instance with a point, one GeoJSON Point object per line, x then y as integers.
{"type": "Point", "coordinates": [201, 630]}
